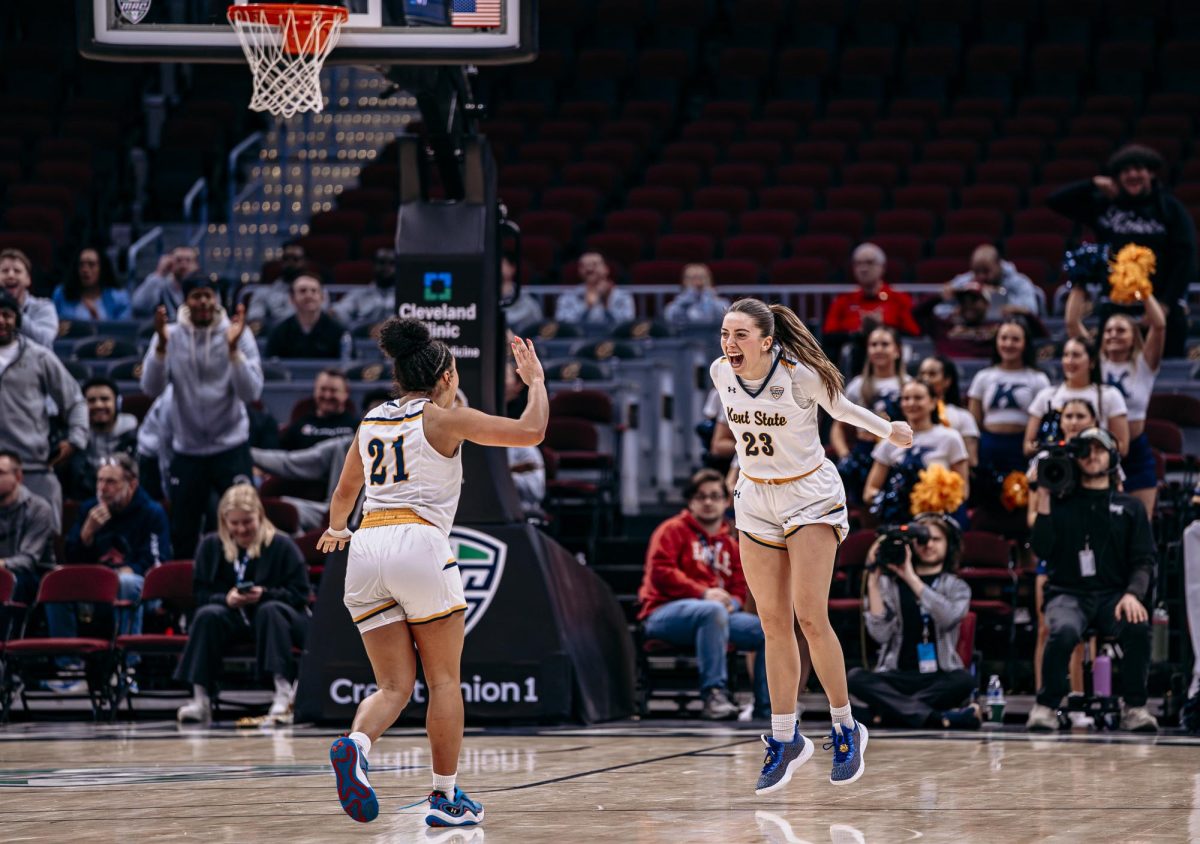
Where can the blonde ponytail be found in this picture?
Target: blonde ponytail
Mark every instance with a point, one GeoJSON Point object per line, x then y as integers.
{"type": "Point", "coordinates": [795, 339]}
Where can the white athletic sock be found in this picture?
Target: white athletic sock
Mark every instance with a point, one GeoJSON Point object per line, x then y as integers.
{"type": "Point", "coordinates": [841, 715]}
{"type": "Point", "coordinates": [445, 784]}
{"type": "Point", "coordinates": [200, 695]}
{"type": "Point", "coordinates": [363, 741]}
{"type": "Point", "coordinates": [283, 688]}
{"type": "Point", "coordinates": [783, 727]}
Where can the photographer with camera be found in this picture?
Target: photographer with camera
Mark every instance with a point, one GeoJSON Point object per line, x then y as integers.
{"type": "Point", "coordinates": [1099, 565]}
{"type": "Point", "coordinates": [914, 607]}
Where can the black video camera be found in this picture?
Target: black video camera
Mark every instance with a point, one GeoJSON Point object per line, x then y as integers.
{"type": "Point", "coordinates": [1057, 472]}
{"type": "Point", "coordinates": [895, 539]}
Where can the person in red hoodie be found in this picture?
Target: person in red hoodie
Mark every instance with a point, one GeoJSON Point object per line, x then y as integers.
{"type": "Point", "coordinates": [693, 593]}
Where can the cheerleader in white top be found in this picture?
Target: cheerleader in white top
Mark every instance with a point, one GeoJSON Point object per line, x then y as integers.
{"type": "Point", "coordinates": [877, 388]}
{"type": "Point", "coordinates": [941, 374]}
{"type": "Point", "coordinates": [999, 398]}
{"type": "Point", "coordinates": [790, 508]}
{"type": "Point", "coordinates": [1081, 380]}
{"type": "Point", "coordinates": [1130, 364]}
{"type": "Point", "coordinates": [932, 442]}
{"type": "Point", "coordinates": [403, 588]}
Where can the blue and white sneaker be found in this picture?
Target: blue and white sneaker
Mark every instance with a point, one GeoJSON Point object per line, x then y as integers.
{"type": "Point", "coordinates": [350, 767]}
{"type": "Point", "coordinates": [781, 761]}
{"type": "Point", "coordinates": [848, 748]}
{"type": "Point", "coordinates": [461, 811]}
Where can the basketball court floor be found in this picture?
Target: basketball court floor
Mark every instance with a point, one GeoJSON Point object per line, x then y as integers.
{"type": "Point", "coordinates": [629, 782]}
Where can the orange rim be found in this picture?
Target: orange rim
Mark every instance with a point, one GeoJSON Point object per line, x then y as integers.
{"type": "Point", "coordinates": [307, 16]}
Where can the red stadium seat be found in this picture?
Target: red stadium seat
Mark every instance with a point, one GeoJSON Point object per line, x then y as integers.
{"type": "Point", "coordinates": [684, 247]}
{"type": "Point", "coordinates": [626, 248]}
{"type": "Point", "coordinates": [762, 249]}
{"type": "Point", "coordinates": [933, 198]}
{"type": "Point", "coordinates": [833, 248]}
{"type": "Point", "coordinates": [713, 224]}
{"type": "Point", "coordinates": [1046, 247]}
{"type": "Point", "coordinates": [643, 221]}
{"type": "Point", "coordinates": [661, 198]}
{"type": "Point", "coordinates": [880, 174]}
{"type": "Point", "coordinates": [734, 271]}
{"type": "Point", "coordinates": [1003, 198]}
{"type": "Point", "coordinates": [656, 272]}
{"type": "Point", "coordinates": [866, 199]}
{"type": "Point", "coordinates": [815, 176]}
{"type": "Point", "coordinates": [702, 153]}
{"type": "Point", "coordinates": [768, 221]}
{"type": "Point", "coordinates": [808, 270]}
{"type": "Point", "coordinates": [733, 200]}
{"type": "Point", "coordinates": [896, 152]}
{"type": "Point", "coordinates": [788, 198]}
{"type": "Point", "coordinates": [739, 174]}
{"type": "Point", "coordinates": [846, 222]}
{"type": "Point", "coordinates": [905, 221]}
{"type": "Point", "coordinates": [958, 246]}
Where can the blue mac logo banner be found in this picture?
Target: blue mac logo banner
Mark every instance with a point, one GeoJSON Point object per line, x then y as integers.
{"type": "Point", "coordinates": [439, 287]}
{"type": "Point", "coordinates": [481, 561]}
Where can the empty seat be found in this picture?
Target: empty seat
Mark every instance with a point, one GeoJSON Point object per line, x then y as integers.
{"type": "Point", "coordinates": [866, 199]}
{"type": "Point", "coordinates": [733, 200]}
{"type": "Point", "coordinates": [985, 222]}
{"type": "Point", "coordinates": [951, 174]}
{"type": "Point", "coordinates": [735, 271]}
{"type": "Point", "coordinates": [846, 222]}
{"type": "Point", "coordinates": [764, 153]}
{"type": "Point", "coordinates": [677, 174]}
{"type": "Point", "coordinates": [834, 248]}
{"type": "Point", "coordinates": [905, 221]}
{"type": "Point", "coordinates": [656, 272]}
{"type": "Point", "coordinates": [741, 174]}
{"type": "Point", "coordinates": [958, 246]}
{"type": "Point", "coordinates": [1041, 221]}
{"type": "Point", "coordinates": [712, 223]}
{"type": "Point", "coordinates": [702, 153]}
{"type": "Point", "coordinates": [643, 221]}
{"type": "Point", "coordinates": [881, 174]}
{"type": "Point", "coordinates": [932, 197]}
{"type": "Point", "coordinates": [800, 270]}
{"type": "Point", "coordinates": [809, 175]}
{"type": "Point", "coordinates": [664, 199]}
{"type": "Point", "coordinates": [1018, 174]}
{"type": "Point", "coordinates": [762, 249]}
{"type": "Point", "coordinates": [1045, 247]}
{"type": "Point", "coordinates": [557, 225]}
{"type": "Point", "coordinates": [899, 153]}
{"type": "Point", "coordinates": [684, 247]}
{"type": "Point", "coordinates": [781, 223]}
{"type": "Point", "coordinates": [902, 250]}
{"type": "Point", "coordinates": [626, 248]}
{"type": "Point", "coordinates": [1003, 198]}
{"type": "Point", "coordinates": [798, 198]}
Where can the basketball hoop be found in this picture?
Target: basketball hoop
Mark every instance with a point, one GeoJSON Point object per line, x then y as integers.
{"type": "Point", "coordinates": [286, 44]}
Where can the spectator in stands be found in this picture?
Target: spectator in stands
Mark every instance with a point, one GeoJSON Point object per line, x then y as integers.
{"type": "Point", "coordinates": [526, 310]}
{"type": "Point", "coordinates": [91, 291]}
{"type": "Point", "coordinates": [320, 462]}
{"type": "Point", "coordinates": [211, 363]}
{"type": "Point", "coordinates": [372, 302]}
{"type": "Point", "coordinates": [26, 530]}
{"type": "Point", "coordinates": [697, 300]}
{"type": "Point", "coordinates": [933, 443]}
{"type": "Point", "coordinates": [250, 585]}
{"type": "Point", "coordinates": [966, 331]}
{"type": "Point", "coordinates": [30, 375]}
{"type": "Point", "coordinates": [1091, 582]}
{"type": "Point", "coordinates": [1130, 363]}
{"type": "Point", "coordinates": [693, 593]}
{"type": "Point", "coordinates": [39, 319]}
{"type": "Point", "coordinates": [331, 416]}
{"type": "Point", "coordinates": [1129, 205]}
{"type": "Point", "coordinates": [164, 286]}
{"type": "Point", "coordinates": [878, 389]}
{"type": "Point", "coordinates": [109, 432]}
{"type": "Point", "coordinates": [875, 302]}
{"type": "Point", "coordinates": [1081, 380]}
{"type": "Point", "coordinates": [598, 300]}
{"type": "Point", "coordinates": [1010, 292]}
{"type": "Point", "coordinates": [121, 527]}
{"type": "Point", "coordinates": [528, 469]}
{"type": "Point", "coordinates": [309, 332]}
{"type": "Point", "coordinates": [913, 611]}
{"type": "Point", "coordinates": [941, 374]}
{"type": "Point", "coordinates": [999, 398]}
{"type": "Point", "coordinates": [272, 304]}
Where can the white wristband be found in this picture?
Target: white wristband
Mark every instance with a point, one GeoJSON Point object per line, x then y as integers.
{"type": "Point", "coordinates": [344, 533]}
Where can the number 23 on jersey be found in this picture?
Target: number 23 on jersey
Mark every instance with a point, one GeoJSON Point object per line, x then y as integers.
{"type": "Point", "coordinates": [755, 444]}
{"type": "Point", "coordinates": [380, 463]}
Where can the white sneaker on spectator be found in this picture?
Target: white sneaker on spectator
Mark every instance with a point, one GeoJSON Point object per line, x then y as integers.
{"type": "Point", "coordinates": [280, 711]}
{"type": "Point", "coordinates": [196, 712]}
{"type": "Point", "coordinates": [1081, 720]}
{"type": "Point", "coordinates": [1137, 719]}
{"type": "Point", "coordinates": [1042, 718]}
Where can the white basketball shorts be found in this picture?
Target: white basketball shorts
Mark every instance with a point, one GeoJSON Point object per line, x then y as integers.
{"type": "Point", "coordinates": [770, 513]}
{"type": "Point", "coordinates": [402, 572]}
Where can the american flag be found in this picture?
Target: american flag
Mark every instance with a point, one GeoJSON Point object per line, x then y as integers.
{"type": "Point", "coordinates": [475, 13]}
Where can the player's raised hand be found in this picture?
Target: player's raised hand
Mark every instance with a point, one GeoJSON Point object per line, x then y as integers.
{"type": "Point", "coordinates": [901, 435]}
{"type": "Point", "coordinates": [529, 368]}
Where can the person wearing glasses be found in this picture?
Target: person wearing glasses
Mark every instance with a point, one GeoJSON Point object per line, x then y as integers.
{"type": "Point", "coordinates": [693, 594]}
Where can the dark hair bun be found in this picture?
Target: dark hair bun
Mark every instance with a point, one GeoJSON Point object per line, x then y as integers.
{"type": "Point", "coordinates": [401, 338]}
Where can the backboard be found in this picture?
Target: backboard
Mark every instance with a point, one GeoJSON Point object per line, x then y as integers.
{"type": "Point", "coordinates": [379, 32]}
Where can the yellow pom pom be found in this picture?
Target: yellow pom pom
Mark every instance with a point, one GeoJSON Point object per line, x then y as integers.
{"type": "Point", "coordinates": [1014, 491]}
{"type": "Point", "coordinates": [1129, 274]}
{"type": "Point", "coordinates": [938, 490]}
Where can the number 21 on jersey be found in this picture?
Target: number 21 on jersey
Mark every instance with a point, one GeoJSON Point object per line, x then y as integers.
{"type": "Point", "coordinates": [379, 451]}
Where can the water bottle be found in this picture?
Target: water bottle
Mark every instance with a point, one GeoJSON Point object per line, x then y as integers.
{"type": "Point", "coordinates": [1160, 627]}
{"type": "Point", "coordinates": [347, 348]}
{"type": "Point", "coordinates": [995, 699]}
{"type": "Point", "coordinates": [1102, 675]}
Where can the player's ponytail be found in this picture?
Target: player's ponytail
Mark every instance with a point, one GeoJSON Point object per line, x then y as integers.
{"type": "Point", "coordinates": [419, 360]}
{"type": "Point", "coordinates": [795, 339]}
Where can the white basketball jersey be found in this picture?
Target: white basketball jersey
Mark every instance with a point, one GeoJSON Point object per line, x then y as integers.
{"type": "Point", "coordinates": [775, 426]}
{"type": "Point", "coordinates": [402, 470]}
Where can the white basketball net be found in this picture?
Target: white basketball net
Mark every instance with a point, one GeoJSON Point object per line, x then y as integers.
{"type": "Point", "coordinates": [286, 57]}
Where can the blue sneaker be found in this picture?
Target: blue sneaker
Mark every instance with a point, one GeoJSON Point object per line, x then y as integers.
{"type": "Point", "coordinates": [781, 761]}
{"type": "Point", "coordinates": [848, 748]}
{"type": "Point", "coordinates": [461, 811]}
{"type": "Point", "coordinates": [355, 793]}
